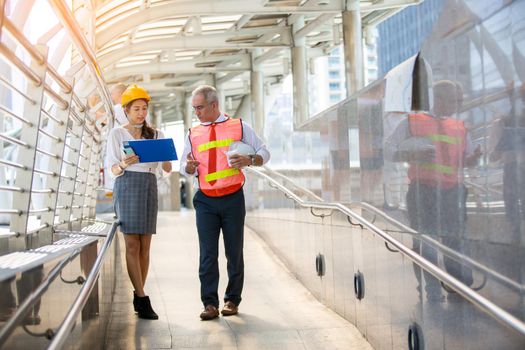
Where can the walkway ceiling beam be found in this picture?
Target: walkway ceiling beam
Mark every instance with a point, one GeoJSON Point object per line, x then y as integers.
{"type": "Point", "coordinates": [388, 5]}
{"type": "Point", "coordinates": [229, 76]}
{"type": "Point", "coordinates": [201, 42]}
{"type": "Point", "coordinates": [242, 22]}
{"type": "Point", "coordinates": [313, 25]}
{"type": "Point", "coordinates": [192, 66]}
{"type": "Point", "coordinates": [170, 68]}
{"type": "Point", "coordinates": [123, 24]}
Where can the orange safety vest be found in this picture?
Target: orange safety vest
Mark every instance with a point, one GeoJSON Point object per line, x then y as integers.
{"type": "Point", "coordinates": [225, 179]}
{"type": "Point", "coordinates": [448, 136]}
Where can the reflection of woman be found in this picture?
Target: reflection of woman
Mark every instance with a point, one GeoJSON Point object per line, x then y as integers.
{"type": "Point", "coordinates": [135, 192]}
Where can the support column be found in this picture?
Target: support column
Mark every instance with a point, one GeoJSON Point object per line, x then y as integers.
{"type": "Point", "coordinates": [300, 77]}
{"type": "Point", "coordinates": [257, 95]}
{"type": "Point", "coordinates": [188, 117]}
{"type": "Point", "coordinates": [220, 93]}
{"type": "Point", "coordinates": [353, 44]}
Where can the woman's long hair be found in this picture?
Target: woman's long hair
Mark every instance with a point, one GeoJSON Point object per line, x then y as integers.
{"type": "Point", "coordinates": [148, 132]}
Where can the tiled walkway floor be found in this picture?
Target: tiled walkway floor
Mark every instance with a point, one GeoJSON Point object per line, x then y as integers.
{"type": "Point", "coordinates": [277, 312]}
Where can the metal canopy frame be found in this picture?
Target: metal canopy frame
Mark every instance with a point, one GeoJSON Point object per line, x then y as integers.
{"type": "Point", "coordinates": [156, 42]}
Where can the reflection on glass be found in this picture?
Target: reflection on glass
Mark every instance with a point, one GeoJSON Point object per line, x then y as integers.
{"type": "Point", "coordinates": [436, 146]}
{"type": "Point", "coordinates": [24, 286]}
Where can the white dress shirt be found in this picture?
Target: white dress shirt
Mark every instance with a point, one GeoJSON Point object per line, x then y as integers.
{"type": "Point", "coordinates": [115, 152]}
{"type": "Point", "coordinates": [120, 116]}
{"type": "Point", "coordinates": [248, 136]}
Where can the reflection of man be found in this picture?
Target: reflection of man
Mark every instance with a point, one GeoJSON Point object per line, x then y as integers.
{"type": "Point", "coordinates": [437, 147]}
{"type": "Point", "coordinates": [219, 202]}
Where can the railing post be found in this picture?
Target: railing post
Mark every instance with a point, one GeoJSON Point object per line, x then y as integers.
{"type": "Point", "coordinates": [90, 193]}
{"type": "Point", "coordinates": [57, 164]}
{"type": "Point", "coordinates": [81, 184]}
{"type": "Point", "coordinates": [27, 155]}
{"type": "Point", "coordinates": [67, 185]}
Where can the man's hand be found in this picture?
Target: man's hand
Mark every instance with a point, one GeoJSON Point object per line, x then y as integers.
{"type": "Point", "coordinates": [238, 161]}
{"type": "Point", "coordinates": [424, 155]}
{"type": "Point", "coordinates": [191, 164]}
{"type": "Point", "coordinates": [473, 159]}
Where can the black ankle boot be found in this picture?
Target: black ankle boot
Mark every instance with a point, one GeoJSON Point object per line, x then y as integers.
{"type": "Point", "coordinates": [145, 310]}
{"type": "Point", "coordinates": [135, 302]}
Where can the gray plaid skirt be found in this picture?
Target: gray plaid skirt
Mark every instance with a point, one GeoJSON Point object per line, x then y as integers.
{"type": "Point", "coordinates": [136, 202]}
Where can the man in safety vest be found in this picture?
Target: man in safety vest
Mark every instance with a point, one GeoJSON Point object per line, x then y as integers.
{"type": "Point", "coordinates": [219, 201]}
{"type": "Point", "coordinates": [437, 148]}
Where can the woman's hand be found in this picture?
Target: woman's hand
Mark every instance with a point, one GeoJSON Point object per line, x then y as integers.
{"type": "Point", "coordinates": [129, 160]}
{"type": "Point", "coordinates": [166, 166]}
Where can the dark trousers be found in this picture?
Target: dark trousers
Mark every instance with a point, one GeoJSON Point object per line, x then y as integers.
{"type": "Point", "coordinates": [514, 194]}
{"type": "Point", "coordinates": [213, 214]}
{"type": "Point", "coordinates": [441, 214]}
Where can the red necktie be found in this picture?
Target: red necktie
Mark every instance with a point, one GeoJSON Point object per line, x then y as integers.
{"type": "Point", "coordinates": [212, 163]}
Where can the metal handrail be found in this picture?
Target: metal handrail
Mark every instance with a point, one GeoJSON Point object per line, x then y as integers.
{"type": "Point", "coordinates": [82, 297]}
{"type": "Point", "coordinates": [450, 252]}
{"type": "Point", "coordinates": [475, 298]}
{"type": "Point", "coordinates": [28, 303]}
{"type": "Point", "coordinates": [18, 63]}
{"type": "Point", "coordinates": [17, 34]}
{"type": "Point", "coordinates": [71, 26]}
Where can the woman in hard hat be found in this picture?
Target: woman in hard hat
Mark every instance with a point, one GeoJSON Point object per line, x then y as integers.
{"type": "Point", "coordinates": [135, 192]}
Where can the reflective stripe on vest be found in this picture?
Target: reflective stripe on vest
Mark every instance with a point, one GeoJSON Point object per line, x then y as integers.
{"type": "Point", "coordinates": [214, 144]}
{"type": "Point", "coordinates": [223, 179]}
{"type": "Point", "coordinates": [221, 174]}
{"type": "Point", "coordinates": [445, 138]}
{"type": "Point", "coordinates": [438, 167]}
{"type": "Point", "coordinates": [448, 137]}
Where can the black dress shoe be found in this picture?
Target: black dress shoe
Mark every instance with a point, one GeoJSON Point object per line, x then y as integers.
{"type": "Point", "coordinates": [145, 310]}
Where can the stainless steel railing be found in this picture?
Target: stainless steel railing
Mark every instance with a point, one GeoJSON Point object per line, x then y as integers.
{"type": "Point", "coordinates": [49, 134]}
{"type": "Point", "coordinates": [472, 296]}
{"type": "Point", "coordinates": [31, 300]}
{"type": "Point", "coordinates": [69, 322]}
{"type": "Point", "coordinates": [520, 288]}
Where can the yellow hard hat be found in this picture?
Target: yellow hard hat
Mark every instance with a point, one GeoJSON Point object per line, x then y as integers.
{"type": "Point", "coordinates": [134, 92]}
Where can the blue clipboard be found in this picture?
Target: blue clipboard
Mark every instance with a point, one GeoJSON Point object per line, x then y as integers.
{"type": "Point", "coordinates": [154, 150]}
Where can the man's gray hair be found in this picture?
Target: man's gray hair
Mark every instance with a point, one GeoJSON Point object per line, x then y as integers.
{"type": "Point", "coordinates": [209, 93]}
{"type": "Point", "coordinates": [120, 87]}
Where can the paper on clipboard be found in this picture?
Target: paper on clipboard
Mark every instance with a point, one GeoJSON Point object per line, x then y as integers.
{"type": "Point", "coordinates": [154, 150]}
{"type": "Point", "coordinates": [398, 89]}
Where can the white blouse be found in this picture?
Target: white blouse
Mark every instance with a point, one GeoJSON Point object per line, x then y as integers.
{"type": "Point", "coordinates": [115, 152]}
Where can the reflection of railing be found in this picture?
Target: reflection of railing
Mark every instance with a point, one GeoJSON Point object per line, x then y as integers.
{"type": "Point", "coordinates": [449, 252]}
{"type": "Point", "coordinates": [287, 179]}
{"type": "Point", "coordinates": [69, 322]}
{"type": "Point", "coordinates": [475, 298]}
{"type": "Point", "coordinates": [406, 229]}
{"type": "Point", "coordinates": [34, 297]}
